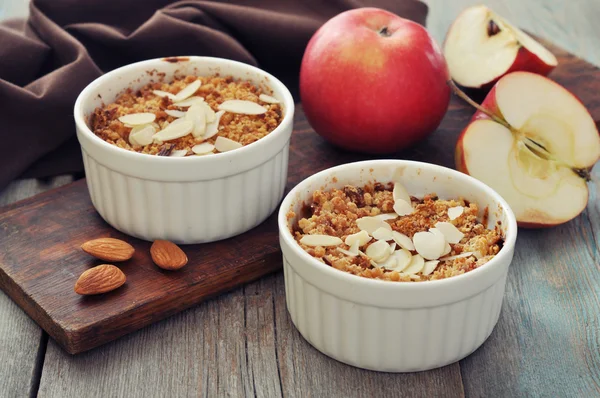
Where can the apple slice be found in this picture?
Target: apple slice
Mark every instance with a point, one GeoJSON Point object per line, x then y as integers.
{"type": "Point", "coordinates": [534, 143]}
{"type": "Point", "coordinates": [481, 47]}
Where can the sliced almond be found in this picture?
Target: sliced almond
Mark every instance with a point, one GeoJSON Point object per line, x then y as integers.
{"type": "Point", "coordinates": [210, 114]}
{"type": "Point", "coordinates": [243, 107]}
{"type": "Point", "coordinates": [416, 265]}
{"type": "Point", "coordinates": [189, 102]}
{"type": "Point", "coordinates": [188, 91]}
{"type": "Point", "coordinates": [100, 279]}
{"type": "Point", "coordinates": [447, 249]}
{"type": "Point", "coordinates": [108, 249]}
{"type": "Point", "coordinates": [429, 245]}
{"type": "Point", "coordinates": [320, 240]}
{"type": "Point", "coordinates": [455, 212]}
{"type": "Point", "coordinates": [167, 255]}
{"type": "Point", "coordinates": [177, 129]}
{"type": "Point", "coordinates": [437, 232]}
{"type": "Point", "coordinates": [178, 153]}
{"type": "Point", "coordinates": [223, 144]}
{"type": "Point", "coordinates": [268, 99]}
{"type": "Point", "coordinates": [461, 255]}
{"type": "Point", "coordinates": [403, 258]}
{"type": "Point", "coordinates": [196, 115]}
{"type": "Point", "coordinates": [361, 238]}
{"type": "Point", "coordinates": [370, 224]}
{"type": "Point", "coordinates": [390, 263]}
{"type": "Point", "coordinates": [387, 216]}
{"type": "Point", "coordinates": [175, 113]}
{"type": "Point", "coordinates": [203, 148]}
{"type": "Point", "coordinates": [403, 208]}
{"type": "Point", "coordinates": [212, 128]}
{"type": "Point", "coordinates": [429, 267]}
{"type": "Point", "coordinates": [347, 252]}
{"type": "Point", "coordinates": [400, 193]}
{"type": "Point", "coordinates": [132, 141]}
{"type": "Point", "coordinates": [452, 234]}
{"type": "Point", "coordinates": [378, 251]}
{"type": "Point", "coordinates": [354, 247]}
{"type": "Point", "coordinates": [134, 119]}
{"type": "Point", "coordinates": [382, 233]}
{"type": "Point", "coordinates": [402, 240]}
{"type": "Point", "coordinates": [392, 247]}
{"type": "Point", "coordinates": [160, 93]}
{"type": "Point", "coordinates": [143, 136]}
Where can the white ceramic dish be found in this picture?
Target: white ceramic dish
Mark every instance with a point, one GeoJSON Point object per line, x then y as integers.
{"type": "Point", "coordinates": [192, 199]}
{"type": "Point", "coordinates": [391, 326]}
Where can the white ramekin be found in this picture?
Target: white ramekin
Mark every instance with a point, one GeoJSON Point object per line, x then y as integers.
{"type": "Point", "coordinates": [191, 199]}
{"type": "Point", "coordinates": [390, 326]}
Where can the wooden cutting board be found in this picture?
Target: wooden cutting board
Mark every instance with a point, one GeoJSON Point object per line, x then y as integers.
{"type": "Point", "coordinates": [40, 259]}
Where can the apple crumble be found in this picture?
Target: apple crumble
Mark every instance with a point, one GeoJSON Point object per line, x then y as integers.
{"type": "Point", "coordinates": [189, 116]}
{"type": "Point", "coordinates": [381, 232]}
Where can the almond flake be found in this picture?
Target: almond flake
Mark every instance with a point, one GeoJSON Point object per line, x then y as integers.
{"type": "Point", "coordinates": [210, 114]}
{"type": "Point", "coordinates": [378, 251]}
{"type": "Point", "coordinates": [188, 91]}
{"type": "Point", "coordinates": [320, 240]}
{"type": "Point", "coordinates": [347, 252]}
{"type": "Point", "coordinates": [361, 238]}
{"type": "Point", "coordinates": [429, 245]}
{"type": "Point", "coordinates": [212, 128]}
{"type": "Point", "coordinates": [243, 107]}
{"type": "Point", "coordinates": [437, 232]}
{"type": "Point", "coordinates": [447, 249]}
{"type": "Point", "coordinates": [134, 119]}
{"type": "Point", "coordinates": [223, 144]}
{"type": "Point", "coordinates": [403, 241]}
{"type": "Point", "coordinates": [174, 113]}
{"type": "Point", "coordinates": [461, 255]}
{"type": "Point", "coordinates": [354, 247]}
{"type": "Point", "coordinates": [392, 247]}
{"type": "Point", "coordinates": [452, 234]}
{"type": "Point", "coordinates": [196, 115]}
{"type": "Point", "coordinates": [403, 258]}
{"type": "Point", "coordinates": [429, 267]}
{"type": "Point", "coordinates": [178, 153]}
{"type": "Point", "coordinates": [268, 99]}
{"type": "Point", "coordinates": [160, 93]}
{"type": "Point", "coordinates": [389, 263]}
{"type": "Point", "coordinates": [382, 233]}
{"type": "Point", "coordinates": [142, 136]}
{"type": "Point", "coordinates": [203, 148]}
{"type": "Point", "coordinates": [400, 193]}
{"type": "Point", "coordinates": [455, 212]}
{"type": "Point", "coordinates": [189, 102]}
{"type": "Point", "coordinates": [179, 128]}
{"type": "Point", "coordinates": [370, 224]}
{"type": "Point", "coordinates": [403, 208]}
{"type": "Point", "coordinates": [387, 216]}
{"type": "Point", "coordinates": [416, 265]}
{"type": "Point", "coordinates": [477, 254]}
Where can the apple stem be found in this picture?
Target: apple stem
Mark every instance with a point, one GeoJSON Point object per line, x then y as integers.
{"type": "Point", "coordinates": [475, 105]}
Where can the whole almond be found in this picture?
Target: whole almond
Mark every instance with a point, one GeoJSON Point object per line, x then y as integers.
{"type": "Point", "coordinates": [101, 279]}
{"type": "Point", "coordinates": [167, 255]}
{"type": "Point", "coordinates": [108, 249]}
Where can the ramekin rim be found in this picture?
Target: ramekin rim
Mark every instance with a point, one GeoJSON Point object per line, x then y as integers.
{"type": "Point", "coordinates": [345, 277]}
{"type": "Point", "coordinates": [205, 160]}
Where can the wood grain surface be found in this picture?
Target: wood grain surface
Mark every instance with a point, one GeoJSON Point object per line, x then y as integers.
{"type": "Point", "coordinates": [546, 343]}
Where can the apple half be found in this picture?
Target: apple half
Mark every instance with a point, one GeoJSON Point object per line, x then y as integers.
{"type": "Point", "coordinates": [534, 143]}
{"type": "Point", "coordinates": [481, 47]}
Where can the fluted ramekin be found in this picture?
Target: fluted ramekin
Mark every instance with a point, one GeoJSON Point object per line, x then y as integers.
{"type": "Point", "coordinates": [395, 326]}
{"type": "Point", "coordinates": [190, 199]}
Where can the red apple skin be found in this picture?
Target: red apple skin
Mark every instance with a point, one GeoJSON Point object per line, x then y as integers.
{"type": "Point", "coordinates": [459, 154]}
{"type": "Point", "coordinates": [369, 93]}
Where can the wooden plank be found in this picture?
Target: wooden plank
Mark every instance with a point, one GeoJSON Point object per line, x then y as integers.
{"type": "Point", "coordinates": [22, 342]}
{"type": "Point", "coordinates": [547, 342]}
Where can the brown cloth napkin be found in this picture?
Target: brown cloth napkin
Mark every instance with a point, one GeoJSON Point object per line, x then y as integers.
{"type": "Point", "coordinates": [47, 60]}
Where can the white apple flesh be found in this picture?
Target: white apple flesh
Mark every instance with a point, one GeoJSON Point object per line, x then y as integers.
{"type": "Point", "coordinates": [535, 144]}
{"type": "Point", "coordinates": [481, 47]}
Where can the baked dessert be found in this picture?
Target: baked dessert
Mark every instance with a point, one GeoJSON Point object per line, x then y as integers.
{"type": "Point", "coordinates": [188, 116]}
{"type": "Point", "coordinates": [379, 231]}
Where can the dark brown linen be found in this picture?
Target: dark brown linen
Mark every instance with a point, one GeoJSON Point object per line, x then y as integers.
{"type": "Point", "coordinates": [47, 60]}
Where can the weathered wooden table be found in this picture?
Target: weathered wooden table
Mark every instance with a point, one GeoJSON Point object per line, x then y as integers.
{"type": "Point", "coordinates": [547, 342]}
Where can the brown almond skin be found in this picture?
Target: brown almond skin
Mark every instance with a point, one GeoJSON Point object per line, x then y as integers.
{"type": "Point", "coordinates": [101, 279]}
{"type": "Point", "coordinates": [167, 255]}
{"type": "Point", "coordinates": [109, 249]}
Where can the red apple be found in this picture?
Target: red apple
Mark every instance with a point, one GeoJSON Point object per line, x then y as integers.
{"type": "Point", "coordinates": [373, 82]}
{"type": "Point", "coordinates": [481, 47]}
{"type": "Point", "coordinates": [534, 143]}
